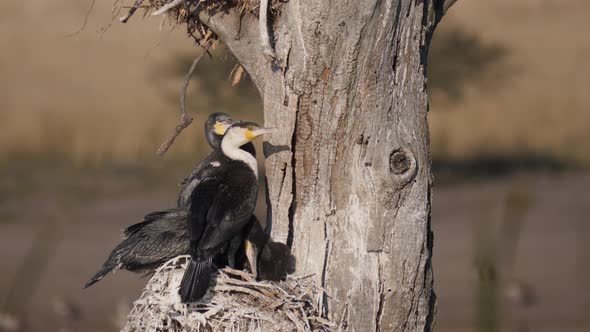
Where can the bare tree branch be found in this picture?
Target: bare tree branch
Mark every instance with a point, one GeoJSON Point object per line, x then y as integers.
{"type": "Point", "coordinates": [185, 119]}
{"type": "Point", "coordinates": [85, 20]}
{"type": "Point", "coordinates": [188, 76]}
{"type": "Point", "coordinates": [131, 11]}
{"type": "Point", "coordinates": [167, 7]}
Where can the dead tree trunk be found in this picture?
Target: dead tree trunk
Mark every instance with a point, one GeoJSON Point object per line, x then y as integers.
{"type": "Point", "coordinates": [349, 172]}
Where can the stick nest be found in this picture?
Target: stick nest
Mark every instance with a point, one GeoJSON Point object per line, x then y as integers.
{"type": "Point", "coordinates": [187, 12]}
{"type": "Point", "coordinates": [236, 302]}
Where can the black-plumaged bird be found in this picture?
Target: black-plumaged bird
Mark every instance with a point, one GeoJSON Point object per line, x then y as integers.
{"type": "Point", "coordinates": [215, 128]}
{"type": "Point", "coordinates": [163, 235]}
{"type": "Point", "coordinates": [267, 259]}
{"type": "Point", "coordinates": [220, 208]}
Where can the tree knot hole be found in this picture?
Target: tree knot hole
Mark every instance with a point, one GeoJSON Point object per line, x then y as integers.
{"type": "Point", "coordinates": [399, 162]}
{"type": "Point", "coordinates": [402, 163]}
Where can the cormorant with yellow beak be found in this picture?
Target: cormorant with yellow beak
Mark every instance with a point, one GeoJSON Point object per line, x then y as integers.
{"type": "Point", "coordinates": [215, 127]}
{"type": "Point", "coordinates": [221, 208]}
{"type": "Point", "coordinates": [163, 235]}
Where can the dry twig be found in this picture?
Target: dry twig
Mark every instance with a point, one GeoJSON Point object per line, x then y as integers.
{"type": "Point", "coordinates": [185, 119]}
{"type": "Point", "coordinates": [167, 7]}
{"type": "Point", "coordinates": [131, 11]}
{"type": "Point", "coordinates": [85, 20]}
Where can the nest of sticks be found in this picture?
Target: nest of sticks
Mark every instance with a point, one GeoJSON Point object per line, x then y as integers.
{"type": "Point", "coordinates": [186, 12]}
{"type": "Point", "coordinates": [235, 302]}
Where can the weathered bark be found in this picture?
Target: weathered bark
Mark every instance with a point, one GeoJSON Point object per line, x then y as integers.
{"type": "Point", "coordinates": [349, 172]}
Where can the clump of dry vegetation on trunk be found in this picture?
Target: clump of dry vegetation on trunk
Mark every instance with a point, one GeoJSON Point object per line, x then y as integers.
{"type": "Point", "coordinates": [186, 12]}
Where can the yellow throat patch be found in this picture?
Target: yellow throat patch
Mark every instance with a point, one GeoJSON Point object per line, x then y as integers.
{"type": "Point", "coordinates": [219, 129]}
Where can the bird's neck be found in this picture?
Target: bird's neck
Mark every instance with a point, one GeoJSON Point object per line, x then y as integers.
{"type": "Point", "coordinates": [235, 153]}
{"type": "Point", "coordinates": [214, 140]}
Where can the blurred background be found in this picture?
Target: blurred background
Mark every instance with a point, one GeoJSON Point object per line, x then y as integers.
{"type": "Point", "coordinates": [82, 113]}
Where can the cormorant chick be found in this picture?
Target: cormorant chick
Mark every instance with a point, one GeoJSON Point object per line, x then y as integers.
{"type": "Point", "coordinates": [273, 260]}
{"type": "Point", "coordinates": [221, 207]}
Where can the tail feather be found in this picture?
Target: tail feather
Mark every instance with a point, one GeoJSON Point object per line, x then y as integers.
{"type": "Point", "coordinates": [195, 281]}
{"type": "Point", "coordinates": [107, 267]}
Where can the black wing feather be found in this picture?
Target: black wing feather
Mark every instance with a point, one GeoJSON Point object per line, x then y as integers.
{"type": "Point", "coordinates": [169, 214]}
{"type": "Point", "coordinates": [204, 170]}
{"type": "Point", "coordinates": [228, 214]}
{"type": "Point", "coordinates": [149, 244]}
{"type": "Point", "coordinates": [219, 209]}
{"type": "Point", "coordinates": [202, 198]}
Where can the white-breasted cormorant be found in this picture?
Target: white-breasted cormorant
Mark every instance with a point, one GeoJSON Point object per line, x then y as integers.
{"type": "Point", "coordinates": [215, 128]}
{"type": "Point", "coordinates": [163, 235]}
{"type": "Point", "coordinates": [221, 206]}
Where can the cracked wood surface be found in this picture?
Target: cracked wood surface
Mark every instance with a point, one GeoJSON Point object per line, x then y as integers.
{"type": "Point", "coordinates": [348, 174]}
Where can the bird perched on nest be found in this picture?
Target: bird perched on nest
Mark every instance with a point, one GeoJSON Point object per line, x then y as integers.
{"type": "Point", "coordinates": [221, 209]}
{"type": "Point", "coordinates": [215, 127]}
{"type": "Point", "coordinates": [272, 260]}
{"type": "Point", "coordinates": [163, 235]}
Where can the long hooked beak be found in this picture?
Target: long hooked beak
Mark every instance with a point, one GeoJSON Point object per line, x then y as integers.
{"type": "Point", "coordinates": [262, 131]}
